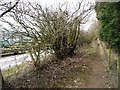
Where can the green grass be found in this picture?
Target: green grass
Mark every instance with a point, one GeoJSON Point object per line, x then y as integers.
{"type": "Point", "coordinates": [13, 70]}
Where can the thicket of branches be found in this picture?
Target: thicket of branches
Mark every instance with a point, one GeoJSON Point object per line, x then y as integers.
{"type": "Point", "coordinates": [45, 29]}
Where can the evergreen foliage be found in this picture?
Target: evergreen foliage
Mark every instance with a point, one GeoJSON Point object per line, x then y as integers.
{"type": "Point", "coordinates": [109, 15]}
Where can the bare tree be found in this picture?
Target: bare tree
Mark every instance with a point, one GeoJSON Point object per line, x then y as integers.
{"type": "Point", "coordinates": [9, 9]}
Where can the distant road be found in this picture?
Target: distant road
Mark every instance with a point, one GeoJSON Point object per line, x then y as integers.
{"type": "Point", "coordinates": [10, 61]}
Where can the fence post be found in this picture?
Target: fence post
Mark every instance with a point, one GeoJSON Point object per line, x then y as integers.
{"type": "Point", "coordinates": [1, 80]}
{"type": "Point", "coordinates": [0, 57]}
{"type": "Point", "coordinates": [109, 58]}
{"type": "Point", "coordinates": [1, 76]}
{"type": "Point", "coordinates": [118, 69]}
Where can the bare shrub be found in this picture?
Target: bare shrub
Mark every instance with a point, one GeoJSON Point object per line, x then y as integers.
{"type": "Point", "coordinates": [45, 29]}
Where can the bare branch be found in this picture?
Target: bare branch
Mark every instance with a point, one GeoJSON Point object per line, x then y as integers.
{"type": "Point", "coordinates": [9, 9]}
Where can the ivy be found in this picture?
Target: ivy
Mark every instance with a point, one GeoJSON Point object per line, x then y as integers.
{"type": "Point", "coordinates": [109, 15]}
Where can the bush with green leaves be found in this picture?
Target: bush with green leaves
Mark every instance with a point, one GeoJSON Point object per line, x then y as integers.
{"type": "Point", "coordinates": [108, 14]}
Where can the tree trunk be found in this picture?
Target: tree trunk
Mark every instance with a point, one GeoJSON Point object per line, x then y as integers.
{"type": "Point", "coordinates": [0, 80]}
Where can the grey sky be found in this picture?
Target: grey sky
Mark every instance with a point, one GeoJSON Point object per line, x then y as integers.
{"type": "Point", "coordinates": [107, 0]}
{"type": "Point", "coordinates": [73, 4]}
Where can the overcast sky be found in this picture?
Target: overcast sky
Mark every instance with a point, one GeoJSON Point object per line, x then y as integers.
{"type": "Point", "coordinates": [73, 4]}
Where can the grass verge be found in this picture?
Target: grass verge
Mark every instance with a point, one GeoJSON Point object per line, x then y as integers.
{"type": "Point", "coordinates": [12, 70]}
